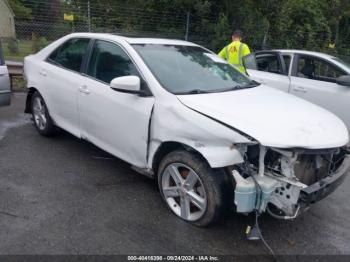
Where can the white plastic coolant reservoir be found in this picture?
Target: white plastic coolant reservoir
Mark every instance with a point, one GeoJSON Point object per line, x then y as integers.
{"type": "Point", "coordinates": [246, 192]}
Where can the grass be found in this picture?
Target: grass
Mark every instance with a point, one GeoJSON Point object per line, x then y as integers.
{"type": "Point", "coordinates": [24, 49]}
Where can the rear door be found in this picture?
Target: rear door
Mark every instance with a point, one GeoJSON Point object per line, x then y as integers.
{"type": "Point", "coordinates": [314, 79]}
{"type": "Point", "coordinates": [5, 87]}
{"type": "Point", "coordinates": [62, 78]}
{"type": "Point", "coordinates": [268, 67]}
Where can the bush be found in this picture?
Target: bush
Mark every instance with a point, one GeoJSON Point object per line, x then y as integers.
{"type": "Point", "coordinates": [41, 43]}
{"type": "Point", "coordinates": [12, 45]}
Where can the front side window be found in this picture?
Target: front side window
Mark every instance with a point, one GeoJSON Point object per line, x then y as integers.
{"type": "Point", "coordinates": [317, 69]}
{"type": "Point", "coordinates": [191, 69]}
{"type": "Point", "coordinates": [269, 63]}
{"type": "Point", "coordinates": [109, 61]}
{"type": "Point", "coordinates": [70, 54]}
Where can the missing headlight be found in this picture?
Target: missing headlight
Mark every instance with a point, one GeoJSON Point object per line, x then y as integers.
{"type": "Point", "coordinates": [285, 174]}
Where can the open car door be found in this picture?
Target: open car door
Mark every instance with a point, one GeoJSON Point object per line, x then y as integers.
{"type": "Point", "coordinates": [268, 67]}
{"type": "Point", "coordinates": [5, 87]}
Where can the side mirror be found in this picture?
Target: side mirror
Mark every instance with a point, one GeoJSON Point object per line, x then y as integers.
{"type": "Point", "coordinates": [343, 80]}
{"type": "Point", "coordinates": [127, 84]}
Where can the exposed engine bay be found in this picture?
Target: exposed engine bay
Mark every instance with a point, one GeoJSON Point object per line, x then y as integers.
{"type": "Point", "coordinates": [284, 182]}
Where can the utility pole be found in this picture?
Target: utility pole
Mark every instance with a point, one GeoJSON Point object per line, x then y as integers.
{"type": "Point", "coordinates": [89, 17]}
{"type": "Point", "coordinates": [187, 25]}
{"type": "Point", "coordinates": [263, 47]}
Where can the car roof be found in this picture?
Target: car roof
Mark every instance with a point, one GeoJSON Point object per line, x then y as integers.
{"type": "Point", "coordinates": [319, 54]}
{"type": "Point", "coordinates": [135, 40]}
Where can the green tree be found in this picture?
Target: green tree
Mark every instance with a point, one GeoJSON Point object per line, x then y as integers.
{"type": "Point", "coordinates": [21, 11]}
{"type": "Point", "coordinates": [301, 24]}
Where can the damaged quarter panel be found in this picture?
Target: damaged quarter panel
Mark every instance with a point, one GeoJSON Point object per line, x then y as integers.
{"type": "Point", "coordinates": [174, 122]}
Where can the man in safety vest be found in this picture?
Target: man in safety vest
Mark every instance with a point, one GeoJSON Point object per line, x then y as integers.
{"type": "Point", "coordinates": [234, 52]}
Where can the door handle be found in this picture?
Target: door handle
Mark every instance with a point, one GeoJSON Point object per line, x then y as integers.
{"type": "Point", "coordinates": [84, 89]}
{"type": "Point", "coordinates": [262, 81]}
{"type": "Point", "coordinates": [42, 72]}
{"type": "Point", "coordinates": [299, 89]}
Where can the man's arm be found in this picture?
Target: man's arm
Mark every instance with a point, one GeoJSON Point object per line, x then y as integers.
{"type": "Point", "coordinates": [222, 53]}
{"type": "Point", "coordinates": [246, 50]}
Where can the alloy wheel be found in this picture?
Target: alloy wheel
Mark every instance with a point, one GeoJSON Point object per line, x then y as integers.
{"type": "Point", "coordinates": [39, 113]}
{"type": "Point", "coordinates": [184, 192]}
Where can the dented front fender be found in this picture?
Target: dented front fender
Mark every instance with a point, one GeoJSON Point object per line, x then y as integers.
{"type": "Point", "coordinates": [220, 145]}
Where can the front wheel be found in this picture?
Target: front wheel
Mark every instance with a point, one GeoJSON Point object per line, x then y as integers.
{"type": "Point", "coordinates": [190, 188]}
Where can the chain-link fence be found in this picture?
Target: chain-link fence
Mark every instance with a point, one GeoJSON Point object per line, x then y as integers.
{"type": "Point", "coordinates": [48, 20]}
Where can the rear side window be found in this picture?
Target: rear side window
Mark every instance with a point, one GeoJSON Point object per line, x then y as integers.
{"type": "Point", "coordinates": [70, 54]}
{"type": "Point", "coordinates": [109, 61]}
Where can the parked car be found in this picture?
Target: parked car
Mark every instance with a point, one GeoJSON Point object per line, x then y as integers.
{"type": "Point", "coordinates": [5, 87]}
{"type": "Point", "coordinates": [213, 138]}
{"type": "Point", "coordinates": [319, 78]}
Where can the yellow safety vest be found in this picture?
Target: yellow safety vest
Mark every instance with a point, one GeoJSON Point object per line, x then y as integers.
{"type": "Point", "coordinates": [233, 54]}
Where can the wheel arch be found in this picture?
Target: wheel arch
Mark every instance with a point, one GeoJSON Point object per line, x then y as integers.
{"type": "Point", "coordinates": [169, 146]}
{"type": "Point", "coordinates": [31, 91]}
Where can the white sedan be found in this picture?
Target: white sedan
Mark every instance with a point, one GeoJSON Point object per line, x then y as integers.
{"type": "Point", "coordinates": [319, 78]}
{"type": "Point", "coordinates": [213, 138]}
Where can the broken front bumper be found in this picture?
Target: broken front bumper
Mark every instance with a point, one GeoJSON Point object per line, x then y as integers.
{"type": "Point", "coordinates": [283, 197]}
{"type": "Point", "coordinates": [325, 186]}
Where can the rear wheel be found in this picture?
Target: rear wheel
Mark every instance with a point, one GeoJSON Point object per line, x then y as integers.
{"type": "Point", "coordinates": [190, 188]}
{"type": "Point", "coordinates": [41, 117]}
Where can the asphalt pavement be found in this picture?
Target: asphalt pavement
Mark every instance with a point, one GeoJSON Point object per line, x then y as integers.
{"type": "Point", "coordinates": [63, 195]}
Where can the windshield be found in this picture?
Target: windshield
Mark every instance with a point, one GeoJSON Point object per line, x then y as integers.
{"type": "Point", "coordinates": [342, 62]}
{"type": "Point", "coordinates": [191, 69]}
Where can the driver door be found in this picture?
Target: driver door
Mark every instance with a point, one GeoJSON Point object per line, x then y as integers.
{"type": "Point", "coordinates": [268, 67]}
{"type": "Point", "coordinates": [115, 121]}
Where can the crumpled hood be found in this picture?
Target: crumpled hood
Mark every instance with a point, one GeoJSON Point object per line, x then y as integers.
{"type": "Point", "coordinates": [272, 117]}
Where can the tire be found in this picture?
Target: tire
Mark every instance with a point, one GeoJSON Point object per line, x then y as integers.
{"type": "Point", "coordinates": [42, 120]}
{"type": "Point", "coordinates": [191, 188]}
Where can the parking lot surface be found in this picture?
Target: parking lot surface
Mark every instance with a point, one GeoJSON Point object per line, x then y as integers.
{"type": "Point", "coordinates": [63, 195]}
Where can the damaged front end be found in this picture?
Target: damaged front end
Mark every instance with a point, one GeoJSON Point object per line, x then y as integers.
{"type": "Point", "coordinates": [284, 182]}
